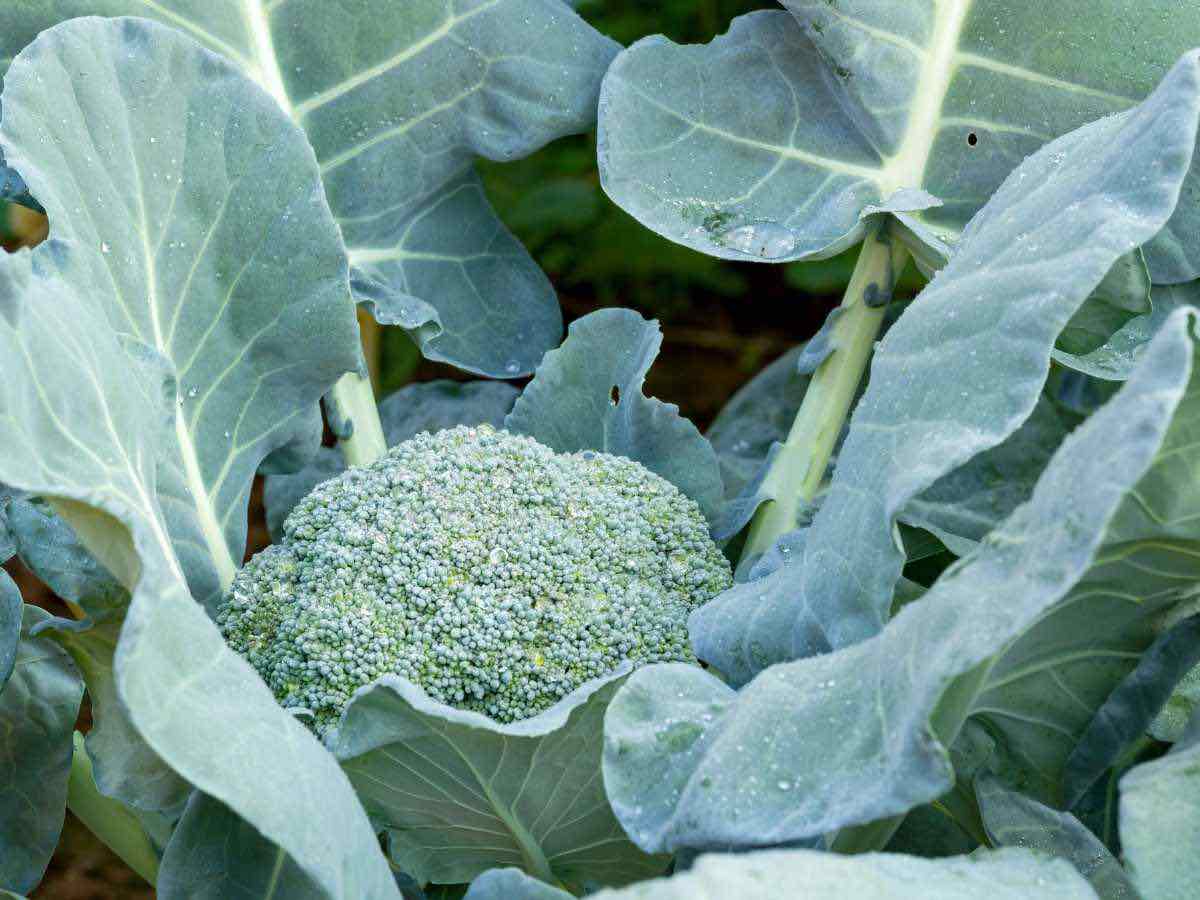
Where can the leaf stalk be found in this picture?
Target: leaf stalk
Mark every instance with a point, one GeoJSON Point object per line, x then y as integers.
{"type": "Point", "coordinates": [799, 468]}
{"type": "Point", "coordinates": [107, 819]}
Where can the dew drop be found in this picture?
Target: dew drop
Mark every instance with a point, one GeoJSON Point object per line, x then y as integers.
{"type": "Point", "coordinates": [766, 240]}
{"type": "Point", "coordinates": [513, 367]}
{"type": "Point", "coordinates": [104, 248]}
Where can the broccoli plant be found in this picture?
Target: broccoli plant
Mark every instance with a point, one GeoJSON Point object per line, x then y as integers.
{"type": "Point", "coordinates": [934, 634]}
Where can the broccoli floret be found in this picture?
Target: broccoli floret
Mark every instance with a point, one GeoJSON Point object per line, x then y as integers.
{"type": "Point", "coordinates": [484, 567]}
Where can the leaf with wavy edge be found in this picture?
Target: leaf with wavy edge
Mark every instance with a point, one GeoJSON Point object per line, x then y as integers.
{"type": "Point", "coordinates": [855, 101]}
{"type": "Point", "coordinates": [1002, 875]}
{"type": "Point", "coordinates": [397, 99]}
{"type": "Point", "coordinates": [1014, 820]}
{"type": "Point", "coordinates": [140, 144]}
{"type": "Point", "coordinates": [587, 395]}
{"type": "Point", "coordinates": [866, 728]}
{"type": "Point", "coordinates": [10, 625]}
{"type": "Point", "coordinates": [104, 438]}
{"type": "Point", "coordinates": [124, 767]}
{"type": "Point", "coordinates": [459, 793]}
{"type": "Point", "coordinates": [38, 708]}
{"type": "Point", "coordinates": [49, 548]}
{"type": "Point", "coordinates": [963, 368]}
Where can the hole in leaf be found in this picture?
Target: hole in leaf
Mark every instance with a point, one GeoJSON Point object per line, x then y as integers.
{"type": "Point", "coordinates": [615, 395]}
{"type": "Point", "coordinates": [972, 139]}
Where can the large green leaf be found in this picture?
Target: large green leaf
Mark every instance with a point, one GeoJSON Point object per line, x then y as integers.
{"type": "Point", "coordinates": [397, 100]}
{"type": "Point", "coordinates": [147, 445]}
{"type": "Point", "coordinates": [51, 550]}
{"type": "Point", "coordinates": [141, 147]}
{"type": "Point", "coordinates": [965, 365]}
{"type": "Point", "coordinates": [1132, 707]}
{"type": "Point", "coordinates": [860, 735]}
{"type": "Point", "coordinates": [587, 395]}
{"type": "Point", "coordinates": [38, 708]}
{"type": "Point", "coordinates": [214, 855]}
{"type": "Point", "coordinates": [1160, 821]}
{"type": "Point", "coordinates": [1003, 875]}
{"type": "Point", "coordinates": [123, 765]}
{"type": "Point", "coordinates": [459, 793]}
{"type": "Point", "coordinates": [1014, 820]}
{"type": "Point", "coordinates": [511, 884]}
{"type": "Point", "coordinates": [854, 101]}
{"type": "Point", "coordinates": [10, 625]}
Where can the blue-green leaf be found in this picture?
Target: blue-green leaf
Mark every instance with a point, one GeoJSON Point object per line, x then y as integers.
{"type": "Point", "coordinates": [1014, 820]}
{"type": "Point", "coordinates": [1160, 821]}
{"type": "Point", "coordinates": [142, 166]}
{"type": "Point", "coordinates": [587, 395]}
{"type": "Point", "coordinates": [140, 467]}
{"type": "Point", "coordinates": [755, 418]}
{"type": "Point", "coordinates": [123, 764]}
{"type": "Point", "coordinates": [964, 366]}
{"type": "Point", "coordinates": [38, 708]}
{"type": "Point", "coordinates": [511, 884]}
{"type": "Point", "coordinates": [459, 793]}
{"type": "Point", "coordinates": [50, 549]}
{"type": "Point", "coordinates": [747, 774]}
{"type": "Point", "coordinates": [1003, 875]}
{"type": "Point", "coordinates": [859, 105]}
{"type": "Point", "coordinates": [1129, 711]}
{"type": "Point", "coordinates": [397, 99]}
{"type": "Point", "coordinates": [214, 855]}
{"type": "Point", "coordinates": [10, 625]}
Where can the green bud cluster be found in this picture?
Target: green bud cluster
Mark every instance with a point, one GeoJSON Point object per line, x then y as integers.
{"type": "Point", "coordinates": [494, 573]}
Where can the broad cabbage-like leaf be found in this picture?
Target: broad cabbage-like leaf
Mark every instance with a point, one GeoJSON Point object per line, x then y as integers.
{"type": "Point", "coordinates": [1160, 820]}
{"type": "Point", "coordinates": [10, 625]}
{"type": "Point", "coordinates": [1172, 721]}
{"type": "Point", "coordinates": [123, 764]}
{"type": "Point", "coordinates": [143, 167]}
{"type": "Point", "coordinates": [1023, 634]}
{"type": "Point", "coordinates": [214, 855]}
{"type": "Point", "coordinates": [964, 366]}
{"type": "Point", "coordinates": [858, 104]}
{"type": "Point", "coordinates": [50, 549]}
{"type": "Point", "coordinates": [961, 507]}
{"type": "Point", "coordinates": [8, 544]}
{"type": "Point", "coordinates": [1014, 820]}
{"type": "Point", "coordinates": [459, 793]}
{"type": "Point", "coordinates": [38, 707]}
{"type": "Point", "coordinates": [1132, 707]}
{"type": "Point", "coordinates": [587, 395]}
{"type": "Point", "coordinates": [429, 406]}
{"type": "Point", "coordinates": [397, 100]}
{"type": "Point", "coordinates": [193, 354]}
{"type": "Point", "coordinates": [511, 884]}
{"type": "Point", "coordinates": [1007, 874]}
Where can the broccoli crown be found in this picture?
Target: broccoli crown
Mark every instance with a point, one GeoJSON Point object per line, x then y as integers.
{"type": "Point", "coordinates": [489, 570]}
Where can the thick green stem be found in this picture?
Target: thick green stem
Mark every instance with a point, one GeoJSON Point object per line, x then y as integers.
{"type": "Point", "coordinates": [799, 468]}
{"type": "Point", "coordinates": [107, 819]}
{"type": "Point", "coordinates": [354, 412]}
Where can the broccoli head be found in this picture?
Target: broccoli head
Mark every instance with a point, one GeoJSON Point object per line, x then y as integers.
{"type": "Point", "coordinates": [484, 567]}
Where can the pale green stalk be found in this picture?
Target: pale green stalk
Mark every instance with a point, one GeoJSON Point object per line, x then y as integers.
{"type": "Point", "coordinates": [355, 404]}
{"type": "Point", "coordinates": [799, 468]}
{"type": "Point", "coordinates": [107, 819]}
